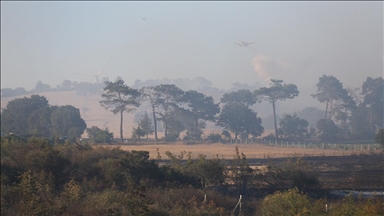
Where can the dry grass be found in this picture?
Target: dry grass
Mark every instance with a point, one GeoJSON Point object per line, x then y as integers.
{"type": "Point", "coordinates": [227, 151]}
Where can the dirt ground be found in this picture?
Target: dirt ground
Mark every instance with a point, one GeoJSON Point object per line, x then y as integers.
{"type": "Point", "coordinates": [227, 151]}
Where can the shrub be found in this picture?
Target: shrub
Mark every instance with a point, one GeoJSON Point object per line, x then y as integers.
{"type": "Point", "coordinates": [357, 207]}
{"type": "Point", "coordinates": [290, 202]}
{"type": "Point", "coordinates": [290, 175]}
{"type": "Point", "coordinates": [99, 136]}
{"type": "Point", "coordinates": [214, 138]}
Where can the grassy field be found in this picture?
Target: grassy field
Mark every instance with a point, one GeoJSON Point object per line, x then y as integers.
{"type": "Point", "coordinates": [227, 151]}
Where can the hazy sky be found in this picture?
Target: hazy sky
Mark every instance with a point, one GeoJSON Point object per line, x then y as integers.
{"type": "Point", "coordinates": [294, 41]}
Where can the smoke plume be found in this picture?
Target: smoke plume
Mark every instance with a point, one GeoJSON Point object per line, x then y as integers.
{"type": "Point", "coordinates": [268, 68]}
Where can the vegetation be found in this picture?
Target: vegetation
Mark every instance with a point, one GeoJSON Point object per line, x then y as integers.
{"type": "Point", "coordinates": [293, 127]}
{"type": "Point", "coordinates": [201, 108]}
{"type": "Point", "coordinates": [42, 177]}
{"type": "Point", "coordinates": [168, 99]}
{"type": "Point", "coordinates": [119, 98]}
{"type": "Point", "coordinates": [277, 92]}
{"type": "Point", "coordinates": [350, 114]}
{"type": "Point", "coordinates": [34, 116]}
{"type": "Point", "coordinates": [237, 116]}
{"type": "Point", "coordinates": [380, 137]}
{"type": "Point", "coordinates": [98, 135]}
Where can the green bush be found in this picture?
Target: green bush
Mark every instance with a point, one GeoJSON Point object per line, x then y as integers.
{"type": "Point", "coordinates": [99, 136]}
{"type": "Point", "coordinates": [351, 206]}
{"type": "Point", "coordinates": [290, 202]}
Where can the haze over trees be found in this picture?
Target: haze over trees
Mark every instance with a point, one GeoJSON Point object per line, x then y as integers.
{"type": "Point", "coordinates": [168, 99]}
{"type": "Point", "coordinates": [201, 108]}
{"type": "Point", "coordinates": [237, 117]}
{"type": "Point", "coordinates": [293, 127]}
{"type": "Point", "coordinates": [354, 113]}
{"type": "Point", "coordinates": [34, 116]}
{"type": "Point", "coordinates": [277, 92]}
{"type": "Point", "coordinates": [119, 98]}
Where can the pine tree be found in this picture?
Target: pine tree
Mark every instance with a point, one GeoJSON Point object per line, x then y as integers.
{"type": "Point", "coordinates": [146, 124]}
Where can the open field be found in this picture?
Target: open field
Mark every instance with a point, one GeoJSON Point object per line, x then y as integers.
{"type": "Point", "coordinates": [227, 151]}
{"type": "Point", "coordinates": [348, 170]}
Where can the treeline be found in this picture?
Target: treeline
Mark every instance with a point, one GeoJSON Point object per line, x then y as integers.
{"type": "Point", "coordinates": [350, 114]}
{"type": "Point", "coordinates": [87, 89]}
{"type": "Point", "coordinates": [83, 88]}
{"type": "Point", "coordinates": [40, 177]}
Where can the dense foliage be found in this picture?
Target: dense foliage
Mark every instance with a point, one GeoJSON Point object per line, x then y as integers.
{"type": "Point", "coordinates": [34, 116]}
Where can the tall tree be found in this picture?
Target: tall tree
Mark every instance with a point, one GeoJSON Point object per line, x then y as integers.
{"type": "Point", "coordinates": [152, 95]}
{"type": "Point", "coordinates": [119, 98]}
{"type": "Point", "coordinates": [201, 107]}
{"type": "Point", "coordinates": [329, 89]}
{"type": "Point", "coordinates": [168, 98]}
{"type": "Point", "coordinates": [277, 92]}
{"type": "Point", "coordinates": [373, 91]}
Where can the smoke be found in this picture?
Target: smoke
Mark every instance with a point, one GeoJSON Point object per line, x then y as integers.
{"type": "Point", "coordinates": [268, 68]}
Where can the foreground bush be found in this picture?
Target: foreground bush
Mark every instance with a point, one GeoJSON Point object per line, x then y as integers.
{"type": "Point", "coordinates": [290, 202]}
{"type": "Point", "coordinates": [351, 206]}
{"type": "Point", "coordinates": [293, 202]}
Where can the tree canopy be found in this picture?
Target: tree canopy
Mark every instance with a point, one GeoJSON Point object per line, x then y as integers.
{"type": "Point", "coordinates": [119, 98]}
{"type": "Point", "coordinates": [278, 91]}
{"type": "Point", "coordinates": [168, 98]}
{"type": "Point", "coordinates": [293, 127]}
{"type": "Point", "coordinates": [329, 89]}
{"type": "Point", "coordinates": [240, 119]}
{"type": "Point", "coordinates": [201, 107]}
{"type": "Point", "coordinates": [34, 116]}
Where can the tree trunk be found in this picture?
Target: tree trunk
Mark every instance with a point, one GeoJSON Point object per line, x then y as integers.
{"type": "Point", "coordinates": [195, 128]}
{"type": "Point", "coordinates": [166, 121]}
{"type": "Point", "coordinates": [326, 109]}
{"type": "Point", "coordinates": [166, 130]}
{"type": "Point", "coordinates": [371, 119]}
{"type": "Point", "coordinates": [330, 110]}
{"type": "Point", "coordinates": [154, 120]}
{"type": "Point", "coordinates": [274, 119]}
{"type": "Point", "coordinates": [121, 126]}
